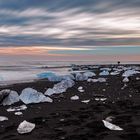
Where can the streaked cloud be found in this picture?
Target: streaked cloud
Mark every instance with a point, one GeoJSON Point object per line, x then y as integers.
{"type": "Point", "coordinates": [69, 23]}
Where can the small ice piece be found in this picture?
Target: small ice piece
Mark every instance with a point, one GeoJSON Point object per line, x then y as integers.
{"type": "Point", "coordinates": [137, 78]}
{"type": "Point", "coordinates": [30, 95]}
{"type": "Point", "coordinates": [75, 97]}
{"type": "Point", "coordinates": [18, 108]}
{"type": "Point", "coordinates": [85, 101]}
{"type": "Point", "coordinates": [80, 88]}
{"type": "Point", "coordinates": [111, 126]}
{"type": "Point", "coordinates": [100, 99]}
{"type": "Point", "coordinates": [115, 73]}
{"type": "Point", "coordinates": [103, 99]}
{"type": "Point", "coordinates": [104, 73]}
{"type": "Point", "coordinates": [12, 98]}
{"type": "Point", "coordinates": [18, 113]}
{"type": "Point", "coordinates": [126, 80]}
{"type": "Point", "coordinates": [101, 80]}
{"type": "Point", "coordinates": [25, 127]}
{"type": "Point", "coordinates": [3, 118]}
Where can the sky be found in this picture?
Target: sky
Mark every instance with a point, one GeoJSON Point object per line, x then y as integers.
{"type": "Point", "coordinates": [31, 27]}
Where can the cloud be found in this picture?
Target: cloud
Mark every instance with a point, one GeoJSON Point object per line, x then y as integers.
{"type": "Point", "coordinates": [67, 23]}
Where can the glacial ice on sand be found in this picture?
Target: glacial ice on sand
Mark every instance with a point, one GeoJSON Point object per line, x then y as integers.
{"type": "Point", "coordinates": [30, 95]}
{"type": "Point", "coordinates": [25, 127]}
{"type": "Point", "coordinates": [111, 126]}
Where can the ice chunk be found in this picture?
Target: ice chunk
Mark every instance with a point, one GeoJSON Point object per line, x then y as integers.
{"type": "Point", "coordinates": [115, 73]}
{"type": "Point", "coordinates": [100, 99]}
{"type": "Point", "coordinates": [111, 126]}
{"type": "Point", "coordinates": [60, 87]}
{"type": "Point", "coordinates": [125, 80]}
{"type": "Point", "coordinates": [105, 69]}
{"type": "Point", "coordinates": [18, 108]}
{"type": "Point", "coordinates": [128, 73]}
{"type": "Point", "coordinates": [85, 101]}
{"type": "Point", "coordinates": [4, 93]}
{"type": "Point", "coordinates": [3, 118]}
{"type": "Point", "coordinates": [75, 97]}
{"type": "Point", "coordinates": [101, 80]}
{"type": "Point", "coordinates": [30, 95]}
{"type": "Point", "coordinates": [89, 74]}
{"type": "Point", "coordinates": [50, 76]}
{"type": "Point", "coordinates": [81, 77]}
{"type": "Point", "coordinates": [84, 76]}
{"type": "Point", "coordinates": [104, 73]}
{"type": "Point", "coordinates": [80, 89]}
{"type": "Point", "coordinates": [18, 113]}
{"type": "Point", "coordinates": [12, 98]}
{"type": "Point", "coordinates": [25, 127]}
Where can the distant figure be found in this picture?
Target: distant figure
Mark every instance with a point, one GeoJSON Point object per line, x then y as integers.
{"type": "Point", "coordinates": [118, 62]}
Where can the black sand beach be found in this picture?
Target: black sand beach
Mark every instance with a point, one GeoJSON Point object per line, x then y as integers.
{"type": "Point", "coordinates": [66, 119]}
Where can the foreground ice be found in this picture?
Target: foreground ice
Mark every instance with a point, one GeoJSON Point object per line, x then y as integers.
{"type": "Point", "coordinates": [12, 98]}
{"type": "Point", "coordinates": [111, 126]}
{"type": "Point", "coordinates": [17, 108]}
{"type": "Point", "coordinates": [3, 118]}
{"type": "Point", "coordinates": [25, 127]}
{"type": "Point", "coordinates": [60, 87]}
{"type": "Point", "coordinates": [30, 95]}
{"type": "Point", "coordinates": [75, 97]}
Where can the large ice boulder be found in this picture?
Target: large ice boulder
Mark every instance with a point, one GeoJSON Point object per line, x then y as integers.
{"type": "Point", "coordinates": [30, 95]}
{"type": "Point", "coordinates": [12, 98]}
{"type": "Point", "coordinates": [60, 87]}
{"type": "Point", "coordinates": [25, 127]}
{"type": "Point", "coordinates": [128, 73]}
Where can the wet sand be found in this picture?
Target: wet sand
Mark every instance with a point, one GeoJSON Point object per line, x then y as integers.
{"type": "Point", "coordinates": [66, 119]}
